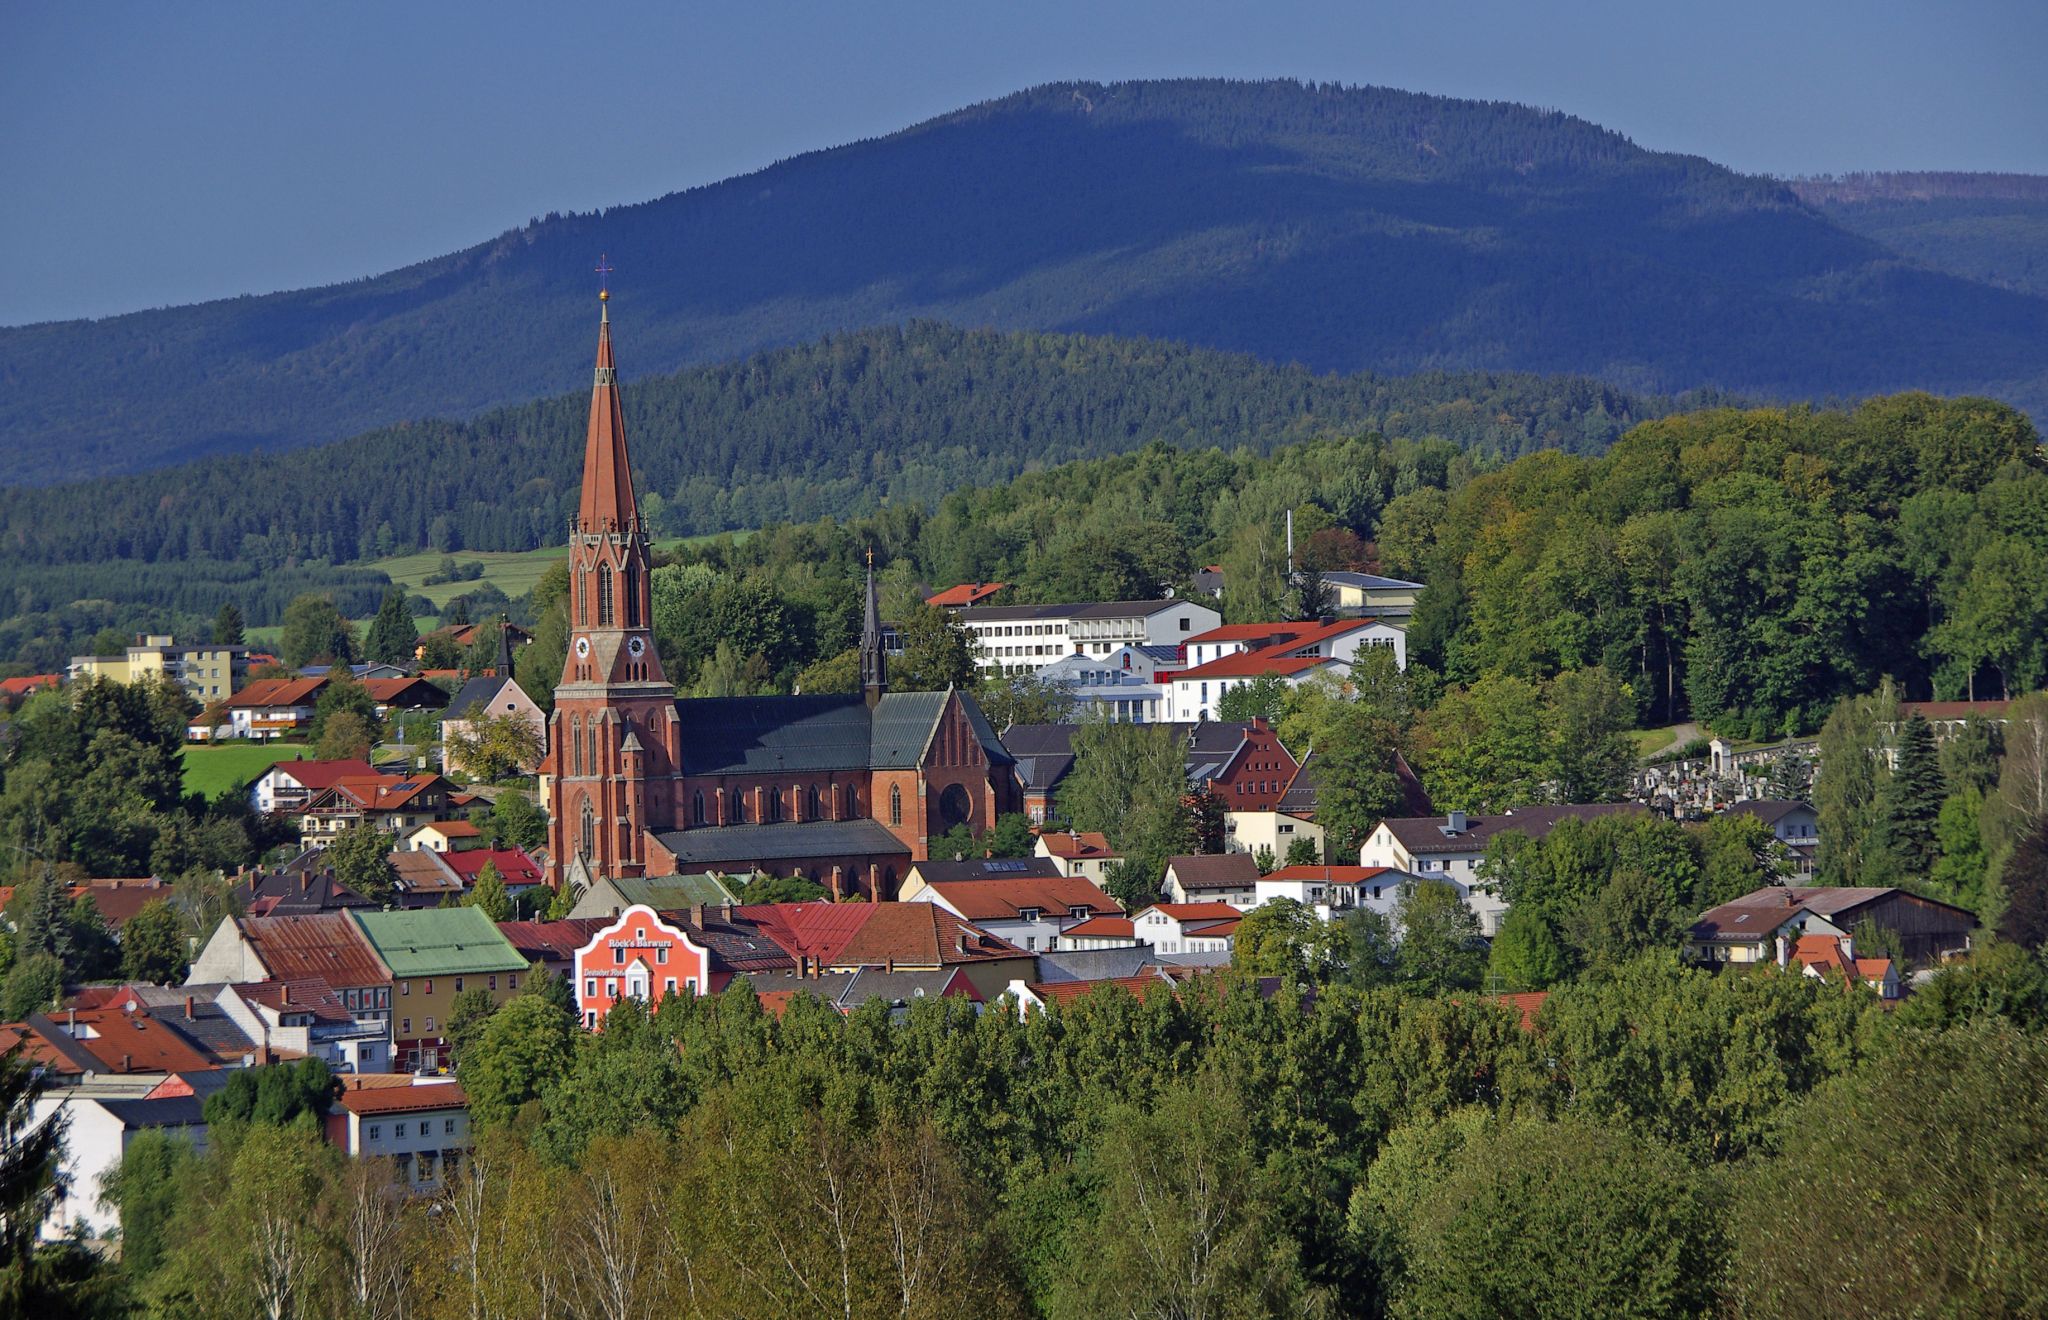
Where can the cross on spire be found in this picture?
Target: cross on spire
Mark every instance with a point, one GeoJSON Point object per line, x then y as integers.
{"type": "Point", "coordinates": [604, 277]}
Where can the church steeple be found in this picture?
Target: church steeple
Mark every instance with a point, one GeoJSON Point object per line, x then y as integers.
{"type": "Point", "coordinates": [873, 659]}
{"type": "Point", "coordinates": [608, 504]}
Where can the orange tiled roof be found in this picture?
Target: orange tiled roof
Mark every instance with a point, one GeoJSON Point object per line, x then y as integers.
{"type": "Point", "coordinates": [404, 1099]}
{"type": "Point", "coordinates": [967, 593]}
{"type": "Point", "coordinates": [268, 692]}
{"type": "Point", "coordinates": [998, 900]}
{"type": "Point", "coordinates": [1100, 928]}
{"type": "Point", "coordinates": [1070, 844]}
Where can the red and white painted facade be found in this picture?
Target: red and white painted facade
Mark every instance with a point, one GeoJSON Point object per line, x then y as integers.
{"type": "Point", "coordinates": [638, 956]}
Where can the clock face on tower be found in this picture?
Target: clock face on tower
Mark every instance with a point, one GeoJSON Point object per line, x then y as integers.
{"type": "Point", "coordinates": [636, 647]}
{"type": "Point", "coordinates": [582, 648]}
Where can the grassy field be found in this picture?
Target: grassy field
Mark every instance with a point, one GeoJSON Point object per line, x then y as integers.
{"type": "Point", "coordinates": [215, 771]}
{"type": "Point", "coordinates": [1651, 741]}
{"type": "Point", "coordinates": [513, 572]}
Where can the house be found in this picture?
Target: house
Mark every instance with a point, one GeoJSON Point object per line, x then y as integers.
{"type": "Point", "coordinates": [294, 891]}
{"type": "Point", "coordinates": [1249, 833]}
{"type": "Point", "coordinates": [325, 947]}
{"type": "Point", "coordinates": [978, 868]}
{"type": "Point", "coordinates": [1950, 717]}
{"type": "Point", "coordinates": [551, 945]}
{"type": "Point", "coordinates": [1086, 856]}
{"type": "Point", "coordinates": [965, 594]}
{"type": "Point", "coordinates": [423, 1128]}
{"type": "Point", "coordinates": [14, 690]}
{"type": "Point", "coordinates": [1794, 824]}
{"type": "Point", "coordinates": [1108, 931]}
{"type": "Point", "coordinates": [423, 880]}
{"type": "Point", "coordinates": [1451, 847]}
{"type": "Point", "coordinates": [1763, 925]}
{"type": "Point", "coordinates": [270, 708]}
{"type": "Point", "coordinates": [844, 937]}
{"type": "Point", "coordinates": [1028, 913]}
{"type": "Point", "coordinates": [1356, 595]}
{"type": "Point", "coordinates": [433, 956]}
{"type": "Point", "coordinates": [442, 836]}
{"type": "Point", "coordinates": [286, 787]}
{"type": "Point", "coordinates": [1334, 890]}
{"type": "Point", "coordinates": [1024, 639]}
{"type": "Point", "coordinates": [307, 1019]}
{"type": "Point", "coordinates": [98, 1132]}
{"type": "Point", "coordinates": [1226, 658]}
{"type": "Point", "coordinates": [207, 672]}
{"type": "Point", "coordinates": [1825, 956]}
{"type": "Point", "coordinates": [1196, 932]}
{"type": "Point", "coordinates": [404, 692]}
{"type": "Point", "coordinates": [364, 670]}
{"type": "Point", "coordinates": [488, 695]}
{"type": "Point", "coordinates": [1230, 877]}
{"type": "Point", "coordinates": [1126, 686]}
{"type": "Point", "coordinates": [118, 900]}
{"type": "Point", "coordinates": [609, 896]}
{"type": "Point", "coordinates": [509, 636]}
{"type": "Point", "coordinates": [1219, 756]}
{"type": "Point", "coordinates": [78, 1046]}
{"type": "Point", "coordinates": [519, 871]}
{"type": "Point", "coordinates": [395, 804]}
{"type": "Point", "coordinates": [637, 956]}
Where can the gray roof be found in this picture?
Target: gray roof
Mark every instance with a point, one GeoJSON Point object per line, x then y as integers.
{"type": "Point", "coordinates": [1095, 964]}
{"type": "Point", "coordinates": [744, 845]}
{"type": "Point", "coordinates": [166, 1111]}
{"type": "Point", "coordinates": [476, 692]}
{"type": "Point", "coordinates": [937, 872]}
{"type": "Point", "coordinates": [1300, 797]}
{"type": "Point", "coordinates": [764, 735]}
{"type": "Point", "coordinates": [1369, 581]}
{"type": "Point", "coordinates": [1756, 914]}
{"type": "Point", "coordinates": [1769, 810]}
{"type": "Point", "coordinates": [1432, 834]}
{"type": "Point", "coordinates": [1230, 870]}
{"type": "Point", "coordinates": [849, 990]}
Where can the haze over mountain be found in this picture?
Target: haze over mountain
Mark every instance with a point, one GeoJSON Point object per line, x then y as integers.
{"type": "Point", "coordinates": [1989, 227]}
{"type": "Point", "coordinates": [1341, 228]}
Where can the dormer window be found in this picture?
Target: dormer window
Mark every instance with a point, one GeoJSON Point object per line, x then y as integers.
{"type": "Point", "coordinates": [1027, 914]}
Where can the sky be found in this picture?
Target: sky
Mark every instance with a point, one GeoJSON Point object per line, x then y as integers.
{"type": "Point", "coordinates": [152, 155]}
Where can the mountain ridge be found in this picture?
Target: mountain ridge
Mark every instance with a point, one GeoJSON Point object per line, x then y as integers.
{"type": "Point", "coordinates": [1343, 228]}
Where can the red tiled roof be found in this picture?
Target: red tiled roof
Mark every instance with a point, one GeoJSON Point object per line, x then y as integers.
{"type": "Point", "coordinates": [873, 934]}
{"type": "Point", "coordinates": [1070, 844]}
{"type": "Point", "coordinates": [1059, 992]}
{"type": "Point", "coordinates": [325, 774]}
{"type": "Point", "coordinates": [1197, 911]}
{"type": "Point", "coordinates": [998, 900]}
{"type": "Point", "coordinates": [967, 593]}
{"type": "Point", "coordinates": [514, 866]}
{"type": "Point", "coordinates": [404, 1099]}
{"type": "Point", "coordinates": [453, 829]}
{"type": "Point", "coordinates": [134, 1042]}
{"type": "Point", "coordinates": [1101, 928]}
{"type": "Point", "coordinates": [301, 996]}
{"type": "Point", "coordinates": [553, 941]}
{"type": "Point", "coordinates": [267, 692]}
{"type": "Point", "coordinates": [21, 687]}
{"type": "Point", "coordinates": [1251, 664]}
{"type": "Point", "coordinates": [384, 691]}
{"type": "Point", "coordinates": [1528, 1005]}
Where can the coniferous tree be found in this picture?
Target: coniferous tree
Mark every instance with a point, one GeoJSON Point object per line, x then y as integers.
{"type": "Point", "coordinates": [2025, 918]}
{"type": "Point", "coordinates": [227, 625]}
{"type": "Point", "coordinates": [392, 638]}
{"type": "Point", "coordinates": [1912, 801]}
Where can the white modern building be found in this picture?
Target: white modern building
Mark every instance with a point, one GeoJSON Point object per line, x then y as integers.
{"type": "Point", "coordinates": [1226, 658]}
{"type": "Point", "coordinates": [1024, 639]}
{"type": "Point", "coordinates": [1126, 686]}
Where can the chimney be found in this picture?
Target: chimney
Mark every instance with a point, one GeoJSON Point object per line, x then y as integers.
{"type": "Point", "coordinates": [888, 966]}
{"type": "Point", "coordinates": [127, 1063]}
{"type": "Point", "coordinates": [1782, 957]}
{"type": "Point", "coordinates": [1456, 821]}
{"type": "Point", "coordinates": [188, 1008]}
{"type": "Point", "coordinates": [284, 991]}
{"type": "Point", "coordinates": [697, 915]}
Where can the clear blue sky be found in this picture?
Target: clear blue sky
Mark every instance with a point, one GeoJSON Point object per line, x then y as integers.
{"type": "Point", "coordinates": [153, 154]}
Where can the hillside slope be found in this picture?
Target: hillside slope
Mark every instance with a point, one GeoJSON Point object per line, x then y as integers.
{"type": "Point", "coordinates": [1340, 228]}
{"type": "Point", "coordinates": [1988, 227]}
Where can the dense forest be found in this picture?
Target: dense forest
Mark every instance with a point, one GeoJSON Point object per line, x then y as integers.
{"type": "Point", "coordinates": [1342, 228]}
{"type": "Point", "coordinates": [837, 427]}
{"type": "Point", "coordinates": [1656, 1142]}
{"type": "Point", "coordinates": [1743, 568]}
{"type": "Point", "coordinates": [1988, 227]}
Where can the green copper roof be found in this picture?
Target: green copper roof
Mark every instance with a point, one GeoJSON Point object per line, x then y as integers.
{"type": "Point", "coordinates": [668, 893]}
{"type": "Point", "coordinates": [438, 942]}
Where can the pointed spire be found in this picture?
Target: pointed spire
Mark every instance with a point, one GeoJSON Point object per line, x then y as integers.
{"type": "Point", "coordinates": [504, 647]}
{"type": "Point", "coordinates": [873, 660]}
{"type": "Point", "coordinates": [607, 474]}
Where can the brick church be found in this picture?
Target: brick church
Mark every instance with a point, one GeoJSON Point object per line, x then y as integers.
{"type": "Point", "coordinates": [845, 790]}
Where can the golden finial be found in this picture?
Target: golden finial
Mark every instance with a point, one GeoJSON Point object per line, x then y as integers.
{"type": "Point", "coordinates": [871, 556]}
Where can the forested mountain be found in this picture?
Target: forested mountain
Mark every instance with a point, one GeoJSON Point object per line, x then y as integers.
{"type": "Point", "coordinates": [1989, 227]}
{"type": "Point", "coordinates": [1342, 228]}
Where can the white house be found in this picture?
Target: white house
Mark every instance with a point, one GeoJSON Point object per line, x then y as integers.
{"type": "Point", "coordinates": [1024, 639]}
{"type": "Point", "coordinates": [1362, 594]}
{"type": "Point", "coordinates": [484, 696]}
{"type": "Point", "coordinates": [1452, 847]}
{"type": "Point", "coordinates": [289, 785]}
{"type": "Point", "coordinates": [423, 1126]}
{"type": "Point", "coordinates": [1193, 932]}
{"type": "Point", "coordinates": [1231, 877]}
{"type": "Point", "coordinates": [1031, 914]}
{"type": "Point", "coordinates": [101, 1126]}
{"type": "Point", "coordinates": [1248, 832]}
{"type": "Point", "coordinates": [1226, 658]}
{"type": "Point", "coordinates": [1126, 686]}
{"type": "Point", "coordinates": [1086, 856]}
{"type": "Point", "coordinates": [1334, 890]}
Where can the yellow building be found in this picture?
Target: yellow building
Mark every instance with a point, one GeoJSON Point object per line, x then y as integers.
{"type": "Point", "coordinates": [207, 673]}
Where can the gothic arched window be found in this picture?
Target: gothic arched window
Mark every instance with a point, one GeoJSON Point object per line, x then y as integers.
{"type": "Point", "coordinates": [814, 809]}
{"type": "Point", "coordinates": [575, 744]}
{"type": "Point", "coordinates": [589, 829]}
{"type": "Point", "coordinates": [632, 586]}
{"type": "Point", "coordinates": [775, 804]}
{"type": "Point", "coordinates": [604, 595]}
{"type": "Point", "coordinates": [895, 805]}
{"type": "Point", "coordinates": [697, 807]}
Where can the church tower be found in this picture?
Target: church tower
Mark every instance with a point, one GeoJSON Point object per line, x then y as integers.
{"type": "Point", "coordinates": [613, 738]}
{"type": "Point", "coordinates": [874, 660]}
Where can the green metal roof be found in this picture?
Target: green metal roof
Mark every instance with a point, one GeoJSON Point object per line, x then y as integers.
{"type": "Point", "coordinates": [438, 942]}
